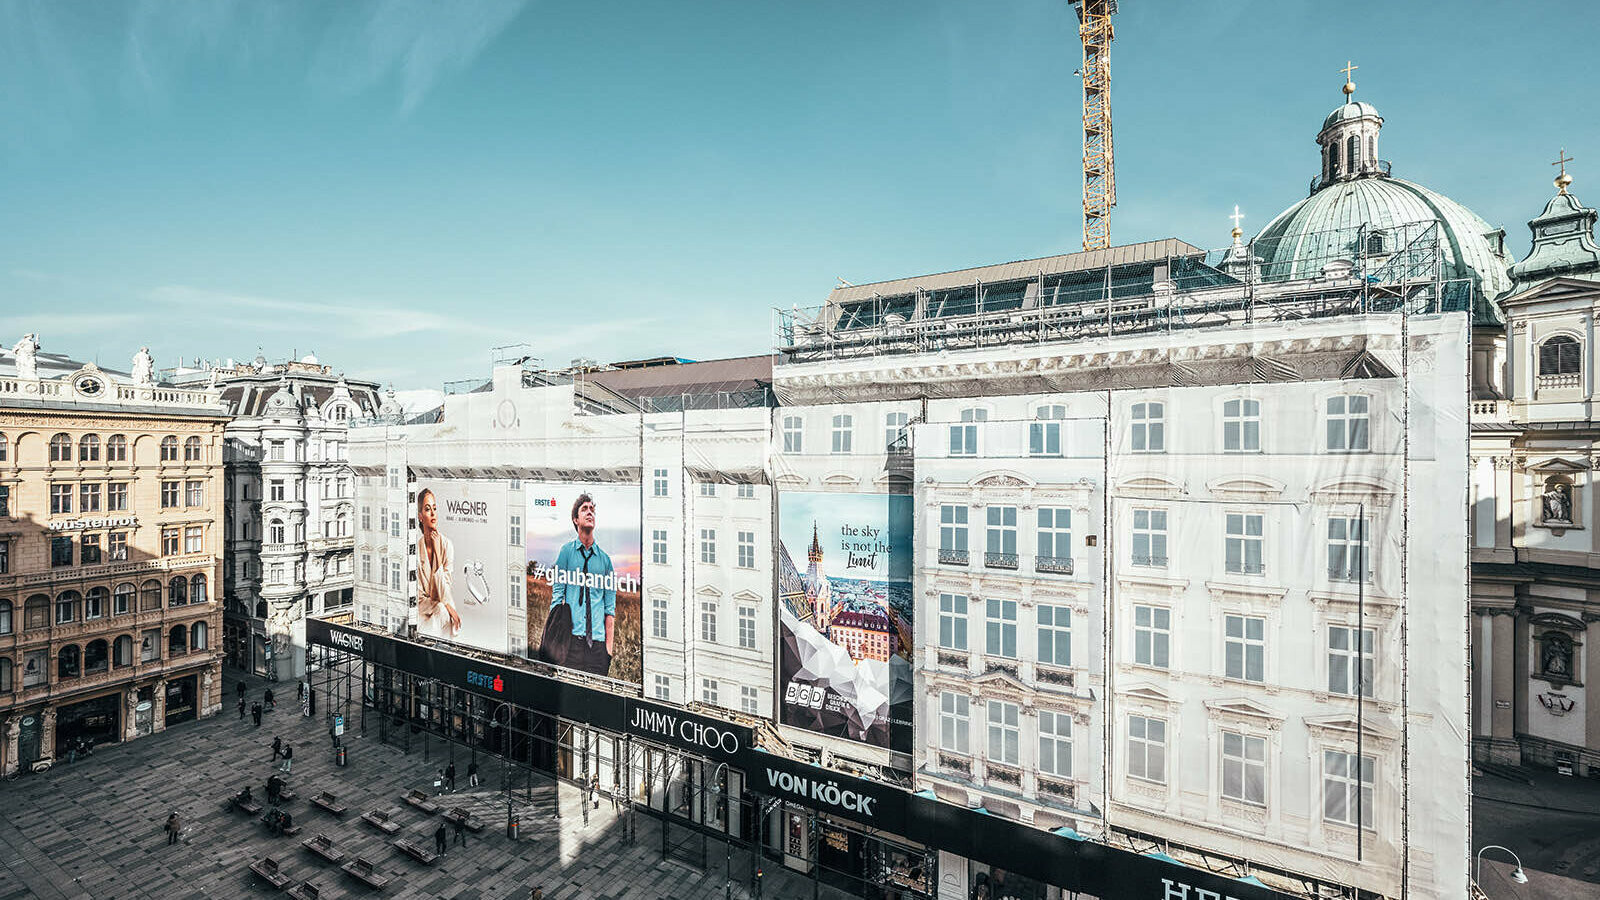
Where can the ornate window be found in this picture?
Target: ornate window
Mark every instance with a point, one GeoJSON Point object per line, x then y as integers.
{"type": "Point", "coordinates": [122, 651]}
{"type": "Point", "coordinates": [197, 589]}
{"type": "Point", "coordinates": [1244, 768]}
{"type": "Point", "coordinates": [96, 657]}
{"type": "Point", "coordinates": [89, 448]}
{"type": "Point", "coordinates": [116, 448]}
{"type": "Point", "coordinates": [5, 616]}
{"type": "Point", "coordinates": [178, 640]}
{"type": "Point", "coordinates": [178, 591]}
{"type": "Point", "coordinates": [192, 451]}
{"type": "Point", "coordinates": [169, 449]}
{"type": "Point", "coordinates": [3, 451]}
{"type": "Point", "coordinates": [197, 636]}
{"type": "Point", "coordinates": [122, 599]}
{"type": "Point", "coordinates": [1560, 355]}
{"type": "Point", "coordinates": [68, 662]}
{"type": "Point", "coordinates": [61, 448]}
{"type": "Point", "coordinates": [67, 607]}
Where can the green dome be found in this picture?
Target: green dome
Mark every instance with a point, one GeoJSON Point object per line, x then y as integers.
{"type": "Point", "coordinates": [1375, 217]}
{"type": "Point", "coordinates": [1352, 110]}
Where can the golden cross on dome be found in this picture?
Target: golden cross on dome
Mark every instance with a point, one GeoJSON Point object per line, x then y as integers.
{"type": "Point", "coordinates": [1563, 179]}
{"type": "Point", "coordinates": [1349, 86]}
{"type": "Point", "coordinates": [1236, 217]}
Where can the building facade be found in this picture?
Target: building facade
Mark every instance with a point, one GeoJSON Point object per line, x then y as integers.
{"type": "Point", "coordinates": [111, 514]}
{"type": "Point", "coordinates": [291, 517]}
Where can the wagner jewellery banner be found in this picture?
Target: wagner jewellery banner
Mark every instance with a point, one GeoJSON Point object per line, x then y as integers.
{"type": "Point", "coordinates": [844, 579]}
{"type": "Point", "coordinates": [582, 577]}
{"type": "Point", "coordinates": [464, 557]}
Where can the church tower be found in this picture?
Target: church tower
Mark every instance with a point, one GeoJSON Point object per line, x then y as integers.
{"type": "Point", "coordinates": [817, 590]}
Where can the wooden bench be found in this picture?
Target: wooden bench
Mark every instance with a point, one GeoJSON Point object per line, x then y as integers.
{"type": "Point", "coordinates": [291, 831]}
{"type": "Point", "coordinates": [328, 804]}
{"type": "Point", "coordinates": [461, 814]}
{"type": "Point", "coordinates": [322, 846]}
{"type": "Point", "coordinates": [381, 820]}
{"type": "Point", "coordinates": [305, 891]}
{"type": "Point", "coordinates": [252, 808]}
{"type": "Point", "coordinates": [285, 795]}
{"type": "Point", "coordinates": [416, 851]}
{"type": "Point", "coordinates": [421, 801]}
{"type": "Point", "coordinates": [362, 870]}
{"type": "Point", "coordinates": [267, 868]}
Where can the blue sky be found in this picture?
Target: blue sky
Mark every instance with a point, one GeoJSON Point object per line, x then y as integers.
{"type": "Point", "coordinates": [400, 186]}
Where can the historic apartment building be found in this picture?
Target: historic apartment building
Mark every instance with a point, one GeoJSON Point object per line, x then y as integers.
{"type": "Point", "coordinates": [1535, 544]}
{"type": "Point", "coordinates": [111, 515]}
{"type": "Point", "coordinates": [291, 517]}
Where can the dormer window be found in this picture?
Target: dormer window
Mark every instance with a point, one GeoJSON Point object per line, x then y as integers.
{"type": "Point", "coordinates": [1560, 355]}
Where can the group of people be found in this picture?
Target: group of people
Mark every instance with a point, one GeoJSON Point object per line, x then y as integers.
{"type": "Point", "coordinates": [446, 780]}
{"type": "Point", "coordinates": [284, 751]}
{"type": "Point", "coordinates": [439, 836]}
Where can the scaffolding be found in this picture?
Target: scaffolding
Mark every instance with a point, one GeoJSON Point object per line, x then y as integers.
{"type": "Point", "coordinates": [1351, 271]}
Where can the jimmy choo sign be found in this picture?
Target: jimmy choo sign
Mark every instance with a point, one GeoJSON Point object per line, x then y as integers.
{"type": "Point", "coordinates": [84, 524]}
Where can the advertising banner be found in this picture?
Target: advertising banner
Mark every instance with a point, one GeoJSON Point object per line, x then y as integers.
{"type": "Point", "coordinates": [582, 551]}
{"type": "Point", "coordinates": [462, 556]}
{"type": "Point", "coordinates": [845, 617]}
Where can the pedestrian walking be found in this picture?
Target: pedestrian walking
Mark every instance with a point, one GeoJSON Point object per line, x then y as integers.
{"type": "Point", "coordinates": [267, 696]}
{"type": "Point", "coordinates": [594, 791]}
{"type": "Point", "coordinates": [536, 894]}
{"type": "Point", "coordinates": [438, 782]}
{"type": "Point", "coordinates": [241, 709]}
{"type": "Point", "coordinates": [461, 832]}
{"type": "Point", "coordinates": [288, 757]}
{"type": "Point", "coordinates": [174, 825]}
{"type": "Point", "coordinates": [472, 773]}
{"type": "Point", "coordinates": [302, 697]}
{"type": "Point", "coordinates": [438, 839]}
{"type": "Point", "coordinates": [277, 748]}
{"type": "Point", "coordinates": [450, 778]}
{"type": "Point", "coordinates": [255, 713]}
{"type": "Point", "coordinates": [238, 688]}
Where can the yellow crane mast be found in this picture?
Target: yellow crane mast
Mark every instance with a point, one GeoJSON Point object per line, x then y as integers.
{"type": "Point", "coordinates": [1099, 173]}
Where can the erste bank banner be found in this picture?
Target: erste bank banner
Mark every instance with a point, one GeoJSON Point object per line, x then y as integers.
{"type": "Point", "coordinates": [845, 620]}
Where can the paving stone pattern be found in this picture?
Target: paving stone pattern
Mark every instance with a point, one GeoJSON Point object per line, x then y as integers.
{"type": "Point", "coordinates": [94, 828]}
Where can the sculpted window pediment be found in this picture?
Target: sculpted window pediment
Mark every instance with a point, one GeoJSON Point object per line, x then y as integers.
{"type": "Point", "coordinates": [1556, 464]}
{"type": "Point", "coordinates": [1559, 620]}
{"type": "Point", "coordinates": [790, 481]}
{"type": "Point", "coordinates": [747, 596]}
{"type": "Point", "coordinates": [659, 591]}
{"type": "Point", "coordinates": [1149, 487]}
{"type": "Point", "coordinates": [1246, 488]}
{"type": "Point", "coordinates": [1342, 727]}
{"type": "Point", "coordinates": [709, 591]}
{"type": "Point", "coordinates": [840, 482]}
{"type": "Point", "coordinates": [1000, 480]}
{"type": "Point", "coordinates": [1148, 694]}
{"type": "Point", "coordinates": [1353, 489]}
{"type": "Point", "coordinates": [1244, 710]}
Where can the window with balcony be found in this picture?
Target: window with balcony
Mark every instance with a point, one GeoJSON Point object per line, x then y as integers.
{"type": "Point", "coordinates": [1242, 544]}
{"type": "Point", "coordinates": [953, 535]}
{"type": "Point", "coordinates": [1054, 548]}
{"type": "Point", "coordinates": [1560, 362]}
{"type": "Point", "coordinates": [1001, 538]}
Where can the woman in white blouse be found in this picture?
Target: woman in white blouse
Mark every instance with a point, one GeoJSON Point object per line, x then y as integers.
{"type": "Point", "coordinates": [436, 556]}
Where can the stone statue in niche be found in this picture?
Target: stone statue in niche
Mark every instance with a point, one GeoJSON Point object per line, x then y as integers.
{"type": "Point", "coordinates": [27, 353]}
{"type": "Point", "coordinates": [1558, 502]}
{"type": "Point", "coordinates": [1557, 657]}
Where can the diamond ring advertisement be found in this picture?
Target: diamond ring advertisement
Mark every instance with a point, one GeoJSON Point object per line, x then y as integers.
{"type": "Point", "coordinates": [477, 585]}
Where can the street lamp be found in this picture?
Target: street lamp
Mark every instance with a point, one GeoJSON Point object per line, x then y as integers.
{"type": "Point", "coordinates": [1517, 875]}
{"type": "Point", "coordinates": [718, 784]}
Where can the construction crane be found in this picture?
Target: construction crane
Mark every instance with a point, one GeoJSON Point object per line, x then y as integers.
{"type": "Point", "coordinates": [1099, 173]}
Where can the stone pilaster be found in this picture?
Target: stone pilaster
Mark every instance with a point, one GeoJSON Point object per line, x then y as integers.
{"type": "Point", "coordinates": [8, 752]}
{"type": "Point", "coordinates": [1503, 667]}
{"type": "Point", "coordinates": [158, 713]}
{"type": "Point", "coordinates": [47, 735]}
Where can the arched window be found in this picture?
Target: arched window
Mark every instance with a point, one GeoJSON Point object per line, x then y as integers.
{"type": "Point", "coordinates": [116, 448]}
{"type": "Point", "coordinates": [95, 602]}
{"type": "Point", "coordinates": [342, 526]}
{"type": "Point", "coordinates": [178, 640]}
{"type": "Point", "coordinates": [1372, 147]}
{"type": "Point", "coordinates": [197, 636]}
{"type": "Point", "coordinates": [191, 450]}
{"type": "Point", "coordinates": [2, 446]}
{"type": "Point", "coordinates": [1333, 159]}
{"type": "Point", "coordinates": [197, 589]}
{"type": "Point", "coordinates": [36, 612]}
{"type": "Point", "coordinates": [95, 657]}
{"type": "Point", "coordinates": [1560, 355]}
{"type": "Point", "coordinates": [169, 449]}
{"type": "Point", "coordinates": [61, 448]}
{"type": "Point", "coordinates": [178, 591]}
{"type": "Point", "coordinates": [122, 651]}
{"type": "Point", "coordinates": [67, 662]}
{"type": "Point", "coordinates": [67, 606]}
{"type": "Point", "coordinates": [5, 616]}
{"type": "Point", "coordinates": [89, 448]}
{"type": "Point", "coordinates": [5, 676]}
{"type": "Point", "coordinates": [150, 595]}
{"type": "Point", "coordinates": [1352, 152]}
{"type": "Point", "coordinates": [275, 531]}
{"type": "Point", "coordinates": [122, 599]}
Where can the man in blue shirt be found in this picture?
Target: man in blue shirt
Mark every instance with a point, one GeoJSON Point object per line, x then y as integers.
{"type": "Point", "coordinates": [586, 583]}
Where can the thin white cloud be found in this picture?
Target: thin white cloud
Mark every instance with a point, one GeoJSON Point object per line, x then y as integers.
{"type": "Point", "coordinates": [348, 320]}
{"type": "Point", "coordinates": [414, 41]}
